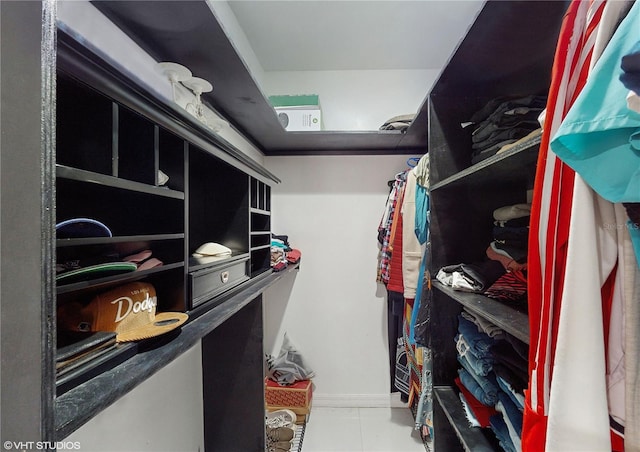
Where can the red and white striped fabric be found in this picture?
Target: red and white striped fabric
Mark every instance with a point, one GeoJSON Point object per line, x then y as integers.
{"type": "Point", "coordinates": [551, 214]}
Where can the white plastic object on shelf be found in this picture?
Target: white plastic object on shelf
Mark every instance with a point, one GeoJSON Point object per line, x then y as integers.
{"type": "Point", "coordinates": [175, 73]}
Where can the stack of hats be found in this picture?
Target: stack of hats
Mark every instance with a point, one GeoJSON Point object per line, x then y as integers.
{"type": "Point", "coordinates": [91, 263]}
{"type": "Point", "coordinates": [502, 122]}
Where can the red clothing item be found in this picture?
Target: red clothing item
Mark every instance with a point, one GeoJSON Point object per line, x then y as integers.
{"type": "Point", "coordinates": [396, 282]}
{"type": "Point", "coordinates": [550, 216]}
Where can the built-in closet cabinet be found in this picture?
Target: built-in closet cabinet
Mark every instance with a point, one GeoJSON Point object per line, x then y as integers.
{"type": "Point", "coordinates": [85, 139]}
{"type": "Point", "coordinates": [507, 52]}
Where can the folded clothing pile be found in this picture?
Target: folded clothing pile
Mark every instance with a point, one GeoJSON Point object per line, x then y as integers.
{"type": "Point", "coordinates": [492, 378]}
{"type": "Point", "coordinates": [503, 121]}
{"type": "Point", "coordinates": [475, 277]}
{"type": "Point", "coordinates": [282, 254]}
{"type": "Point", "coordinates": [401, 122]}
{"type": "Point", "coordinates": [510, 248]}
{"type": "Point", "coordinates": [502, 275]}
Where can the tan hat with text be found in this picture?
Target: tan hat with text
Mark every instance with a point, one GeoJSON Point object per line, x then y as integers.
{"type": "Point", "coordinates": [128, 310]}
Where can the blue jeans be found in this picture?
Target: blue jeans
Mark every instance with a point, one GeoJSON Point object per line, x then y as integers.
{"type": "Point", "coordinates": [480, 387]}
{"type": "Point", "coordinates": [513, 414]}
{"type": "Point", "coordinates": [481, 366]}
{"type": "Point", "coordinates": [479, 343]}
{"type": "Point", "coordinates": [502, 432]}
{"type": "Point", "coordinates": [506, 387]}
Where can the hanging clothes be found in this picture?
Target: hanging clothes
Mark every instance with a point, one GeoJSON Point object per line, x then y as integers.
{"type": "Point", "coordinates": [595, 240]}
{"type": "Point", "coordinates": [553, 188]}
{"type": "Point", "coordinates": [575, 268]}
{"type": "Point", "coordinates": [387, 230]}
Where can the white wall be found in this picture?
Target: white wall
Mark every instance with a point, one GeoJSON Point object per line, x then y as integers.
{"type": "Point", "coordinates": [238, 38]}
{"type": "Point", "coordinates": [334, 311]}
{"type": "Point", "coordinates": [164, 414]}
{"type": "Point", "coordinates": [356, 100]}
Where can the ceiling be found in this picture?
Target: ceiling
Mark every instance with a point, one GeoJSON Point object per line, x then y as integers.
{"type": "Point", "coordinates": [314, 35]}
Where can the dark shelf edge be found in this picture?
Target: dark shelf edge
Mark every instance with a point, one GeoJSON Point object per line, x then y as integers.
{"type": "Point", "coordinates": [513, 322]}
{"type": "Point", "coordinates": [175, 119]}
{"type": "Point", "coordinates": [195, 265]}
{"type": "Point", "coordinates": [488, 163]}
{"type": "Point", "coordinates": [471, 438]}
{"type": "Point", "coordinates": [123, 277]}
{"type": "Point", "coordinates": [60, 243]}
{"type": "Point", "coordinates": [76, 407]}
{"type": "Point", "coordinates": [65, 172]}
{"type": "Point", "coordinates": [344, 151]}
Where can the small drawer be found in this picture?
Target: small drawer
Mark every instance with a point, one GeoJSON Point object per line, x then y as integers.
{"type": "Point", "coordinates": [211, 282]}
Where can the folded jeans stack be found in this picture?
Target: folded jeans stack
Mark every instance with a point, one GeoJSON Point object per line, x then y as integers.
{"type": "Point", "coordinates": [492, 378]}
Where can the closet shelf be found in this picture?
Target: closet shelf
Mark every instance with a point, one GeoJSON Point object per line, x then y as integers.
{"type": "Point", "coordinates": [260, 211]}
{"type": "Point", "coordinates": [81, 403]}
{"type": "Point", "coordinates": [471, 438]}
{"type": "Point", "coordinates": [61, 243]}
{"type": "Point", "coordinates": [121, 278]}
{"type": "Point", "coordinates": [501, 169]}
{"type": "Point", "coordinates": [65, 172]}
{"type": "Point", "coordinates": [254, 248]}
{"type": "Point", "coordinates": [506, 317]}
{"type": "Point", "coordinates": [237, 96]}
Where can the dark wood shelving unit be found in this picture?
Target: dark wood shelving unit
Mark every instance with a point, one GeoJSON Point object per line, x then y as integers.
{"type": "Point", "coordinates": [463, 196]}
{"type": "Point", "coordinates": [237, 96]}
{"type": "Point", "coordinates": [209, 200]}
{"type": "Point", "coordinates": [79, 405]}
{"type": "Point", "coordinates": [102, 140]}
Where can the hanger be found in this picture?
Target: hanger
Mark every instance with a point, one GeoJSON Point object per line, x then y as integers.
{"type": "Point", "coordinates": [412, 162]}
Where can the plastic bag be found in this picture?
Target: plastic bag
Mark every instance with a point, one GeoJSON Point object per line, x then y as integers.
{"type": "Point", "coordinates": [289, 366]}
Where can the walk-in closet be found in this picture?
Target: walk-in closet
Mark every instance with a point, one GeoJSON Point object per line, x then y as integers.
{"type": "Point", "coordinates": [315, 226]}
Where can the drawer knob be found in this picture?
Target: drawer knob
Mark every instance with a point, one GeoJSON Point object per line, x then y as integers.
{"type": "Point", "coordinates": [224, 277]}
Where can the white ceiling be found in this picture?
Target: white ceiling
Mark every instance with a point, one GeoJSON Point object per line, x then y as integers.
{"type": "Point", "coordinates": [313, 35]}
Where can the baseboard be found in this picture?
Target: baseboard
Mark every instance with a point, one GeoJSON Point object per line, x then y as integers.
{"type": "Point", "coordinates": [358, 400]}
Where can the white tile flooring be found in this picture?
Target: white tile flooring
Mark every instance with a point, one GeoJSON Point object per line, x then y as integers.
{"type": "Point", "coordinates": [361, 429]}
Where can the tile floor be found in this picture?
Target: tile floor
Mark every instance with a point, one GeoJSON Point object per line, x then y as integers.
{"type": "Point", "coordinates": [361, 429]}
